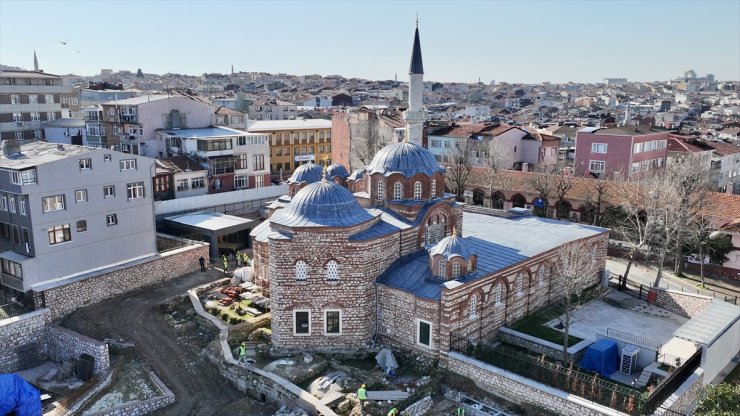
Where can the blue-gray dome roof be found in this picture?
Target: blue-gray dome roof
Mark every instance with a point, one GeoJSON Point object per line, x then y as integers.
{"type": "Point", "coordinates": [357, 175]}
{"type": "Point", "coordinates": [323, 203]}
{"type": "Point", "coordinates": [336, 170]}
{"type": "Point", "coordinates": [309, 172]}
{"type": "Point", "coordinates": [405, 158]}
{"type": "Point", "coordinates": [452, 246]}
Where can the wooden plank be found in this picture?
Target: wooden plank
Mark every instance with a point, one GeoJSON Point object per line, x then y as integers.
{"type": "Point", "coordinates": [331, 397]}
{"type": "Point", "coordinates": [387, 395]}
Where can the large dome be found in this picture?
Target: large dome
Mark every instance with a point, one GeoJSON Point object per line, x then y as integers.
{"type": "Point", "coordinates": [309, 173]}
{"type": "Point", "coordinates": [336, 170]}
{"type": "Point", "coordinates": [405, 158]}
{"type": "Point", "coordinates": [323, 203]}
{"type": "Point", "coordinates": [452, 246]}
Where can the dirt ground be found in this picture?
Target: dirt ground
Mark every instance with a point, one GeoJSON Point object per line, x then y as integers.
{"type": "Point", "coordinates": [171, 345]}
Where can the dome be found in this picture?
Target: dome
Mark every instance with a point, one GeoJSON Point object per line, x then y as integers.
{"type": "Point", "coordinates": [336, 170]}
{"type": "Point", "coordinates": [323, 203]}
{"type": "Point", "coordinates": [309, 173]}
{"type": "Point", "coordinates": [357, 175]}
{"type": "Point", "coordinates": [405, 158]}
{"type": "Point", "coordinates": [452, 246]}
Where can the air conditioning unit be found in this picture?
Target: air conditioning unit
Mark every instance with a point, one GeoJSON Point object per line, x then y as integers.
{"type": "Point", "coordinates": [529, 207]}
{"type": "Point", "coordinates": [628, 363]}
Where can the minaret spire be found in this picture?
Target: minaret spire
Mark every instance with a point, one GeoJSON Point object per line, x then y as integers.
{"type": "Point", "coordinates": [414, 116]}
{"type": "Point", "coordinates": [35, 62]}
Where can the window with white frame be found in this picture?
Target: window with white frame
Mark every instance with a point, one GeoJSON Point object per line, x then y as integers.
{"type": "Point", "coordinates": [35, 117]}
{"type": "Point", "coordinates": [51, 116]}
{"type": "Point", "coordinates": [434, 188]}
{"type": "Point", "coordinates": [455, 270]}
{"type": "Point", "coordinates": [417, 190]}
{"type": "Point", "coordinates": [637, 148]}
{"type": "Point", "coordinates": [435, 143]}
{"type": "Point", "coordinates": [19, 135]}
{"type": "Point", "coordinates": [81, 226]}
{"type": "Point", "coordinates": [182, 184]}
{"type": "Point", "coordinates": [332, 322]}
{"type": "Point", "coordinates": [598, 147]}
{"type": "Point", "coordinates": [473, 307]}
{"type": "Point", "coordinates": [11, 203]}
{"type": "Point", "coordinates": [49, 98]}
{"type": "Point", "coordinates": [423, 333]}
{"type": "Point", "coordinates": [128, 164]}
{"type": "Point", "coordinates": [59, 234]}
{"type": "Point", "coordinates": [4, 203]}
{"type": "Point", "coordinates": [109, 191]}
{"type": "Point", "coordinates": [397, 191]}
{"type": "Point", "coordinates": [52, 203]}
{"type": "Point", "coordinates": [301, 322]}
{"type": "Point", "coordinates": [15, 99]}
{"type": "Point", "coordinates": [81, 195]}
{"type": "Point", "coordinates": [33, 99]}
{"type": "Point", "coordinates": [85, 164]}
{"type": "Point", "coordinates": [111, 219]}
{"type": "Point", "coordinates": [497, 294]}
{"type": "Point", "coordinates": [198, 182]}
{"type": "Point", "coordinates": [301, 270]}
{"type": "Point", "coordinates": [107, 158]}
{"type": "Point", "coordinates": [241, 181]}
{"type": "Point", "coordinates": [22, 205]}
{"type": "Point", "coordinates": [519, 285]}
{"type": "Point", "coordinates": [259, 181]}
{"type": "Point", "coordinates": [381, 190]}
{"type": "Point", "coordinates": [635, 167]}
{"type": "Point", "coordinates": [442, 269]}
{"type": "Point", "coordinates": [332, 270]}
{"type": "Point", "coordinates": [597, 166]}
{"type": "Point", "coordinates": [135, 190]}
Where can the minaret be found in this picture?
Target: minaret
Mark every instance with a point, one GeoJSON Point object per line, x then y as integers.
{"type": "Point", "coordinates": [35, 62]}
{"type": "Point", "coordinates": [414, 116]}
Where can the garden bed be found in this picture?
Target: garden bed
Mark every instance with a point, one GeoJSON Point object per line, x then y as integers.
{"type": "Point", "coordinates": [534, 325]}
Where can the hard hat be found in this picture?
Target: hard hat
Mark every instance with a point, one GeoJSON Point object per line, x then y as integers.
{"type": "Point", "coordinates": [363, 386]}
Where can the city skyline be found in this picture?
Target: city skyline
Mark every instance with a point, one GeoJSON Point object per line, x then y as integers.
{"type": "Point", "coordinates": [517, 42]}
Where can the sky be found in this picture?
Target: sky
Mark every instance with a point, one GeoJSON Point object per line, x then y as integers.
{"type": "Point", "coordinates": [462, 41]}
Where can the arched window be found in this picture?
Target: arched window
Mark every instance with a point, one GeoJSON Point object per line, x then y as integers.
{"type": "Point", "coordinates": [397, 191]}
{"type": "Point", "coordinates": [594, 254]}
{"type": "Point", "coordinates": [541, 275]}
{"type": "Point", "coordinates": [473, 307]}
{"type": "Point", "coordinates": [381, 190]}
{"type": "Point", "coordinates": [332, 270]}
{"type": "Point", "coordinates": [301, 270]}
{"type": "Point", "coordinates": [434, 188]}
{"type": "Point", "coordinates": [455, 270]}
{"type": "Point", "coordinates": [470, 266]}
{"type": "Point", "coordinates": [442, 271]}
{"type": "Point", "coordinates": [519, 284]}
{"type": "Point", "coordinates": [417, 190]}
{"type": "Point", "coordinates": [497, 294]}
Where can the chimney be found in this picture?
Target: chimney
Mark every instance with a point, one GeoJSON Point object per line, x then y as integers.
{"type": "Point", "coordinates": [10, 147]}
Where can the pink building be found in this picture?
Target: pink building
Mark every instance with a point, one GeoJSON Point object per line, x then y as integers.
{"type": "Point", "coordinates": [619, 150]}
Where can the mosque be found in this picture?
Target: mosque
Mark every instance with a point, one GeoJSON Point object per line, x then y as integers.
{"type": "Point", "coordinates": [383, 256]}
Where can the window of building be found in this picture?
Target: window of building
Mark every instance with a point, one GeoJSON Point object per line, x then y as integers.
{"type": "Point", "coordinates": [182, 184]}
{"type": "Point", "coordinates": [37, 134]}
{"type": "Point", "coordinates": [22, 205]}
{"type": "Point", "coordinates": [241, 181]}
{"type": "Point", "coordinates": [85, 164]}
{"type": "Point", "coordinates": [19, 135]}
{"type": "Point", "coordinates": [598, 147]}
{"type": "Point", "coordinates": [111, 219]}
{"type": "Point", "coordinates": [397, 191]}
{"type": "Point", "coordinates": [16, 235]}
{"type": "Point", "coordinates": [637, 148]}
{"type": "Point", "coordinates": [473, 307]}
{"type": "Point", "coordinates": [635, 167]}
{"type": "Point", "coordinates": [81, 195]}
{"type": "Point", "coordinates": [332, 270]}
{"type": "Point", "coordinates": [11, 203]}
{"type": "Point", "coordinates": [423, 333]}
{"type": "Point", "coordinates": [417, 190]}
{"type": "Point", "coordinates": [301, 270]}
{"type": "Point", "coordinates": [597, 166]}
{"type": "Point", "coordinates": [51, 116]}
{"type": "Point", "coordinates": [259, 162]}
{"type": "Point", "coordinates": [332, 322]}
{"type": "Point", "coordinates": [211, 145]}
{"type": "Point", "coordinates": [109, 191]}
{"type": "Point", "coordinates": [381, 190]}
{"type": "Point", "coordinates": [49, 98]}
{"type": "Point", "coordinates": [128, 164]}
{"type": "Point", "coordinates": [15, 99]}
{"type": "Point", "coordinates": [4, 203]}
{"type": "Point", "coordinates": [434, 188]}
{"type": "Point", "coordinates": [442, 266]}
{"type": "Point", "coordinates": [435, 143]}
{"type": "Point", "coordinates": [497, 294]}
{"type": "Point", "coordinates": [302, 322]}
{"type": "Point", "coordinates": [519, 285]}
{"type": "Point", "coordinates": [81, 226]}
{"type": "Point", "coordinates": [241, 160]}
{"type": "Point", "coordinates": [35, 117]}
{"type": "Point", "coordinates": [455, 270]}
{"type": "Point", "coordinates": [33, 99]}
{"type": "Point", "coordinates": [12, 268]}
{"type": "Point", "coordinates": [541, 276]}
{"type": "Point", "coordinates": [594, 254]}
{"type": "Point", "coordinates": [52, 203]}
{"type": "Point", "coordinates": [259, 181]}
{"type": "Point", "coordinates": [198, 182]}
{"type": "Point", "coordinates": [59, 234]}
{"type": "Point", "coordinates": [23, 177]}
{"type": "Point", "coordinates": [135, 190]}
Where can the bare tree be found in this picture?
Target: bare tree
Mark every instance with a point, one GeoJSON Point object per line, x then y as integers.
{"type": "Point", "coordinates": [365, 138]}
{"type": "Point", "coordinates": [574, 270]}
{"type": "Point", "coordinates": [599, 188]}
{"type": "Point", "coordinates": [551, 181]}
{"type": "Point", "coordinates": [460, 164]}
{"type": "Point", "coordinates": [496, 177]}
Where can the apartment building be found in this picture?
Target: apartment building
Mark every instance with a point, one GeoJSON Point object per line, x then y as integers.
{"type": "Point", "coordinates": [295, 142]}
{"type": "Point", "coordinates": [613, 151]}
{"type": "Point", "coordinates": [724, 174]}
{"type": "Point", "coordinates": [233, 159]}
{"type": "Point", "coordinates": [30, 99]}
{"type": "Point", "coordinates": [228, 117]}
{"type": "Point", "coordinates": [272, 109]}
{"type": "Point", "coordinates": [67, 210]}
{"type": "Point", "coordinates": [130, 125]}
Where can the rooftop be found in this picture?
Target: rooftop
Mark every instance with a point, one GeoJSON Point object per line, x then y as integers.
{"type": "Point", "coordinates": [297, 124]}
{"type": "Point", "coordinates": [212, 221]}
{"type": "Point", "coordinates": [26, 74]}
{"type": "Point", "coordinates": [706, 326]}
{"type": "Point", "coordinates": [141, 99]}
{"type": "Point", "coordinates": [38, 153]}
{"type": "Point", "coordinates": [620, 131]}
{"type": "Point", "coordinates": [206, 132]}
{"type": "Point", "coordinates": [66, 122]}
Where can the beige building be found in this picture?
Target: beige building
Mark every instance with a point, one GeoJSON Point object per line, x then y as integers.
{"type": "Point", "coordinates": [272, 109]}
{"type": "Point", "coordinates": [295, 142]}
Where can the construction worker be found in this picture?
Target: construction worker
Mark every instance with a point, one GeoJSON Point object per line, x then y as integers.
{"type": "Point", "coordinates": [393, 412]}
{"type": "Point", "coordinates": [362, 397]}
{"type": "Point", "coordinates": [226, 264]}
{"type": "Point", "coordinates": [460, 411]}
{"type": "Point", "coordinates": [242, 352]}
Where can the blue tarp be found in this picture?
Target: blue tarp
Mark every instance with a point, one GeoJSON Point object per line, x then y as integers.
{"type": "Point", "coordinates": [601, 357]}
{"type": "Point", "coordinates": [16, 394]}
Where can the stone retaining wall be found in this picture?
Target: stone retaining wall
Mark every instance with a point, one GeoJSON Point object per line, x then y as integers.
{"type": "Point", "coordinates": [684, 304]}
{"type": "Point", "coordinates": [22, 339]}
{"type": "Point", "coordinates": [518, 389]}
{"type": "Point", "coordinates": [143, 407]}
{"type": "Point", "coordinates": [540, 346]}
{"type": "Point", "coordinates": [64, 299]}
{"type": "Point", "coordinates": [63, 344]}
{"type": "Point", "coordinates": [422, 407]}
{"type": "Point", "coordinates": [77, 405]}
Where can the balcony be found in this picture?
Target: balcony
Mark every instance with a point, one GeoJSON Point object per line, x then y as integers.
{"type": "Point", "coordinates": [129, 118]}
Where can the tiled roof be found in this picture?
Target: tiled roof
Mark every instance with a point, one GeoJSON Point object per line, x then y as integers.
{"type": "Point", "coordinates": [724, 149]}
{"type": "Point", "coordinates": [467, 130]}
{"type": "Point", "coordinates": [676, 145]}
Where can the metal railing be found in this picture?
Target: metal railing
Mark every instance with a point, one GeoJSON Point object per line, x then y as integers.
{"type": "Point", "coordinates": [633, 339]}
{"type": "Point", "coordinates": [672, 382]}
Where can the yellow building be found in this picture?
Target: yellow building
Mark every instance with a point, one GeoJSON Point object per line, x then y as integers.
{"type": "Point", "coordinates": [295, 142]}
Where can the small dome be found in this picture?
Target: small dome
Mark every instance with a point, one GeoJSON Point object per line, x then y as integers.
{"type": "Point", "coordinates": [336, 170]}
{"type": "Point", "coordinates": [452, 246]}
{"type": "Point", "coordinates": [357, 175]}
{"type": "Point", "coordinates": [309, 173]}
{"type": "Point", "coordinates": [323, 203]}
{"type": "Point", "coordinates": [405, 158]}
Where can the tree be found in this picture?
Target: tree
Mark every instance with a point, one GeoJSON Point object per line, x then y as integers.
{"type": "Point", "coordinates": [691, 181]}
{"type": "Point", "coordinates": [574, 270]}
{"type": "Point", "coordinates": [702, 238]}
{"type": "Point", "coordinates": [495, 177]}
{"type": "Point", "coordinates": [460, 165]}
{"type": "Point", "coordinates": [551, 180]}
{"type": "Point", "coordinates": [365, 137]}
{"type": "Point", "coordinates": [597, 192]}
{"type": "Point", "coordinates": [720, 400]}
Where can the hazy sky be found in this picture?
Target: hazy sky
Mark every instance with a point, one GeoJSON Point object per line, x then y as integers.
{"type": "Point", "coordinates": [519, 41]}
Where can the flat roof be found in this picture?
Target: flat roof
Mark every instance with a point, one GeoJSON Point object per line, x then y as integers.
{"type": "Point", "coordinates": [297, 124]}
{"type": "Point", "coordinates": [66, 122]}
{"type": "Point", "coordinates": [141, 99]}
{"type": "Point", "coordinates": [38, 153]}
{"type": "Point", "coordinates": [206, 132]}
{"type": "Point", "coordinates": [706, 326]}
{"type": "Point", "coordinates": [212, 221]}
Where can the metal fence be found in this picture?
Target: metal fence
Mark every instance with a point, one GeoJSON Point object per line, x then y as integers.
{"type": "Point", "coordinates": [633, 339]}
{"type": "Point", "coordinates": [672, 382]}
{"type": "Point", "coordinates": [640, 290]}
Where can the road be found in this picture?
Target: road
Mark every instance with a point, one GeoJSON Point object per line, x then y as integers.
{"type": "Point", "coordinates": [172, 351]}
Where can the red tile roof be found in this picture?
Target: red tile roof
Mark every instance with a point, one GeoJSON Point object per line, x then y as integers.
{"type": "Point", "coordinates": [676, 145]}
{"type": "Point", "coordinates": [724, 149]}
